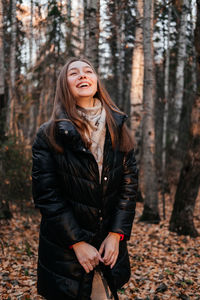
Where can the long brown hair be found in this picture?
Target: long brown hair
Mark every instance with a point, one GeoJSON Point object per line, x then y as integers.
{"type": "Point", "coordinates": [64, 101]}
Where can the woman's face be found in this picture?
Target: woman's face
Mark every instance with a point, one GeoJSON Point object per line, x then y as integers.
{"type": "Point", "coordinates": [82, 81]}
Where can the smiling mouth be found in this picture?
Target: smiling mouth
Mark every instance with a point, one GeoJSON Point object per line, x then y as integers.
{"type": "Point", "coordinates": [83, 85]}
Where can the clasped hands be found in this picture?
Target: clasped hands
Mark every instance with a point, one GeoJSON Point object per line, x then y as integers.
{"type": "Point", "coordinates": [89, 257]}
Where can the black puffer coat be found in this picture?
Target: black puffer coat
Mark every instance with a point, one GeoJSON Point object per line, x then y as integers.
{"type": "Point", "coordinates": [76, 207]}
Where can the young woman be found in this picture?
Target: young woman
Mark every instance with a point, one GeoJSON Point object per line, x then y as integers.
{"type": "Point", "coordinates": [85, 185]}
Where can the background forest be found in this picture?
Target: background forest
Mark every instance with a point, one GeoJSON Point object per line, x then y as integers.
{"type": "Point", "coordinates": [147, 53]}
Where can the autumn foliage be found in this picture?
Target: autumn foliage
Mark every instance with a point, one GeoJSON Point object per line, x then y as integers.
{"type": "Point", "coordinates": [164, 265]}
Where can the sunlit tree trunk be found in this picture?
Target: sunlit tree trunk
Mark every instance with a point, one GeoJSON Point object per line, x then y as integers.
{"type": "Point", "coordinates": [136, 98]}
{"type": "Point", "coordinates": [150, 212]}
{"type": "Point", "coordinates": [182, 216]}
{"type": "Point", "coordinates": [179, 88]}
{"type": "Point", "coordinates": [11, 99]}
{"type": "Point", "coordinates": [91, 25]}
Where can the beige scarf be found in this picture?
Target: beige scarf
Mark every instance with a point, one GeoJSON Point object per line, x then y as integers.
{"type": "Point", "coordinates": [96, 117]}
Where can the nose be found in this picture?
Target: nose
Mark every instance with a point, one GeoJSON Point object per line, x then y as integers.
{"type": "Point", "coordinates": [82, 74]}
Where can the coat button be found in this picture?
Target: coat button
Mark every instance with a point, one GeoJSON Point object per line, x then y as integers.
{"type": "Point", "coordinates": [99, 210]}
{"type": "Point", "coordinates": [84, 149]}
{"type": "Point", "coordinates": [105, 178]}
{"type": "Point", "coordinates": [66, 131]}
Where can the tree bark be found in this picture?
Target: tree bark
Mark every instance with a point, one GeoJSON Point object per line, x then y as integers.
{"type": "Point", "coordinates": [91, 24]}
{"type": "Point", "coordinates": [2, 82]}
{"type": "Point", "coordinates": [150, 212]}
{"type": "Point", "coordinates": [4, 206]}
{"type": "Point", "coordinates": [166, 107]}
{"type": "Point", "coordinates": [179, 89]}
{"type": "Point", "coordinates": [182, 215]}
{"type": "Point", "coordinates": [31, 36]}
{"type": "Point", "coordinates": [11, 101]}
{"type": "Point", "coordinates": [120, 52]}
{"type": "Point", "coordinates": [115, 48]}
{"type": "Point", "coordinates": [69, 28]}
{"type": "Point", "coordinates": [137, 81]}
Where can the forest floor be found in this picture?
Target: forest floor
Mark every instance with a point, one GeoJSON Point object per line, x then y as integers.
{"type": "Point", "coordinates": [164, 265]}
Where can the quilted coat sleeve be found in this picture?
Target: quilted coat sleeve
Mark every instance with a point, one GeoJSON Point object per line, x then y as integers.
{"type": "Point", "coordinates": [47, 196]}
{"type": "Point", "coordinates": [125, 210]}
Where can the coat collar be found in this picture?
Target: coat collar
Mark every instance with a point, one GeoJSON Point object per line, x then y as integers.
{"type": "Point", "coordinates": [68, 132]}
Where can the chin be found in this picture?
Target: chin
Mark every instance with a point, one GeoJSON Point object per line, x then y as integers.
{"type": "Point", "coordinates": [86, 95]}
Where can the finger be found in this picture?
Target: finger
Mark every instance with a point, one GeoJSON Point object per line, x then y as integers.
{"type": "Point", "coordinates": [93, 263]}
{"type": "Point", "coordinates": [96, 259]}
{"type": "Point", "coordinates": [110, 260]}
{"type": "Point", "coordinates": [100, 258]}
{"type": "Point", "coordinates": [85, 267]}
{"type": "Point", "coordinates": [107, 258]}
{"type": "Point", "coordinates": [114, 262]}
{"type": "Point", "coordinates": [101, 249]}
{"type": "Point", "coordinates": [90, 267]}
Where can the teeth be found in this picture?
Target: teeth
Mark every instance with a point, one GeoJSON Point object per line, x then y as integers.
{"type": "Point", "coordinates": [83, 84]}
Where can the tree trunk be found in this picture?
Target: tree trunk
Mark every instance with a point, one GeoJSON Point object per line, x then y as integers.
{"type": "Point", "coordinates": [166, 107]}
{"type": "Point", "coordinates": [120, 52]}
{"type": "Point", "coordinates": [4, 206]}
{"type": "Point", "coordinates": [69, 28]}
{"type": "Point", "coordinates": [179, 89]}
{"type": "Point", "coordinates": [91, 24]}
{"type": "Point", "coordinates": [2, 71]}
{"type": "Point", "coordinates": [11, 102]}
{"type": "Point", "coordinates": [182, 216]}
{"type": "Point", "coordinates": [129, 38]}
{"type": "Point", "coordinates": [137, 81]}
{"type": "Point", "coordinates": [114, 48]}
{"type": "Point", "coordinates": [31, 37]}
{"type": "Point", "coordinates": [2, 82]}
{"type": "Point", "coordinates": [150, 212]}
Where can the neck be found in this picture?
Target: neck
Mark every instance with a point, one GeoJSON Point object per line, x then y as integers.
{"type": "Point", "coordinates": [86, 102]}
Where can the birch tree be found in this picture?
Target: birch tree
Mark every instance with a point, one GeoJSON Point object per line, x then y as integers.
{"type": "Point", "coordinates": [179, 88]}
{"type": "Point", "coordinates": [136, 98]}
{"type": "Point", "coordinates": [150, 212]}
{"type": "Point", "coordinates": [91, 26]}
{"type": "Point", "coordinates": [182, 216]}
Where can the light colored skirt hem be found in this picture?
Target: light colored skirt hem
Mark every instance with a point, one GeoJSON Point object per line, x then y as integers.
{"type": "Point", "coordinates": [100, 288]}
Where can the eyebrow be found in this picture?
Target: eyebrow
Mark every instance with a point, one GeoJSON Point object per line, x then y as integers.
{"type": "Point", "coordinates": [77, 68]}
